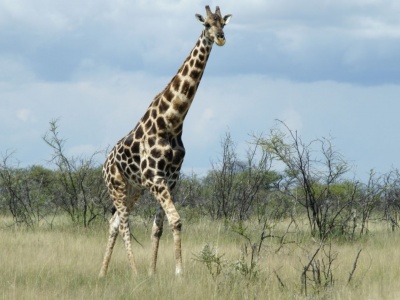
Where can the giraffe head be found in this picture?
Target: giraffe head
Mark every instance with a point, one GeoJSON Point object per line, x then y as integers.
{"type": "Point", "coordinates": [214, 24]}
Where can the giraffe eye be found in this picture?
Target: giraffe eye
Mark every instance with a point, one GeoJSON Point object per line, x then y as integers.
{"type": "Point", "coordinates": [207, 25]}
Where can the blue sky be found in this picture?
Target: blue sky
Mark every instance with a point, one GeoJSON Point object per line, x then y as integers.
{"type": "Point", "coordinates": [326, 68]}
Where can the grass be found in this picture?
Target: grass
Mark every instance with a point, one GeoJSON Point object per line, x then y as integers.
{"type": "Point", "coordinates": [63, 263]}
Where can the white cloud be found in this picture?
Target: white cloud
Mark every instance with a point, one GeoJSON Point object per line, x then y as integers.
{"type": "Point", "coordinates": [14, 70]}
{"type": "Point", "coordinates": [292, 118]}
{"type": "Point", "coordinates": [206, 117]}
{"type": "Point", "coordinates": [24, 115]}
{"type": "Point", "coordinates": [374, 27]}
{"type": "Point", "coordinates": [82, 151]}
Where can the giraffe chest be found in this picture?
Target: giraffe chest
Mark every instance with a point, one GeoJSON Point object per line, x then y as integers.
{"type": "Point", "coordinates": [148, 157]}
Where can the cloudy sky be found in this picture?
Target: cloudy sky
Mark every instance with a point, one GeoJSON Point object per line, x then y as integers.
{"type": "Point", "coordinates": [326, 68]}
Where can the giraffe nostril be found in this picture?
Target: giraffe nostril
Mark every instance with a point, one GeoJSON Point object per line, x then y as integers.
{"type": "Point", "coordinates": [220, 35]}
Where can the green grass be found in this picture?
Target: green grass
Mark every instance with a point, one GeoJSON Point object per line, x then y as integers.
{"type": "Point", "coordinates": [63, 263]}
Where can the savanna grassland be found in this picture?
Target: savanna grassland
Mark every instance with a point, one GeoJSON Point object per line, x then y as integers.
{"type": "Point", "coordinates": [250, 231]}
{"type": "Point", "coordinates": [219, 263]}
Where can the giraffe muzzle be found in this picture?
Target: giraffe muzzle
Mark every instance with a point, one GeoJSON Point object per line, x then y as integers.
{"type": "Point", "coordinates": [220, 41]}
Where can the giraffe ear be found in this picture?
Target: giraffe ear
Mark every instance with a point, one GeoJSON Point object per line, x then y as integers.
{"type": "Point", "coordinates": [227, 18]}
{"type": "Point", "coordinates": [200, 18]}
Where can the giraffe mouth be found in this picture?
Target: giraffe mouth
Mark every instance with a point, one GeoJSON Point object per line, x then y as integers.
{"type": "Point", "coordinates": [220, 41]}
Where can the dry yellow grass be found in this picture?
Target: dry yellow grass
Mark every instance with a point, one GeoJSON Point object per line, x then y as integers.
{"type": "Point", "coordinates": [63, 263]}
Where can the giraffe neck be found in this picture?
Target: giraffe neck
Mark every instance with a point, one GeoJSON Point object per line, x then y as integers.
{"type": "Point", "coordinates": [174, 102]}
{"type": "Point", "coordinates": [187, 80]}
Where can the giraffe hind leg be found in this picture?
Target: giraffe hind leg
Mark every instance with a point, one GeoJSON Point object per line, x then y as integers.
{"type": "Point", "coordinates": [113, 234]}
{"type": "Point", "coordinates": [155, 237]}
{"type": "Point", "coordinates": [124, 197]}
{"type": "Point", "coordinates": [124, 204]}
{"type": "Point", "coordinates": [118, 223]}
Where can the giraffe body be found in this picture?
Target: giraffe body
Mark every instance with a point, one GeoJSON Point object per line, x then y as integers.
{"type": "Point", "coordinates": [150, 156]}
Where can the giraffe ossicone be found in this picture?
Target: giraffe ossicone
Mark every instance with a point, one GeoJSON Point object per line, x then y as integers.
{"type": "Point", "coordinates": [150, 156]}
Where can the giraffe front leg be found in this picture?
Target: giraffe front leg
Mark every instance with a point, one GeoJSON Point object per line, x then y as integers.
{"type": "Point", "coordinates": [174, 221]}
{"type": "Point", "coordinates": [163, 196]}
{"type": "Point", "coordinates": [155, 237]}
{"type": "Point", "coordinates": [177, 228]}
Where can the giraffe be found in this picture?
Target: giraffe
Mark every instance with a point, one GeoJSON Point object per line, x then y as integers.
{"type": "Point", "coordinates": [150, 156]}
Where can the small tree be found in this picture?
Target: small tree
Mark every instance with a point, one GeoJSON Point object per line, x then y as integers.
{"type": "Point", "coordinates": [26, 193]}
{"type": "Point", "coordinates": [222, 181]}
{"type": "Point", "coordinates": [391, 198]}
{"type": "Point", "coordinates": [234, 185]}
{"type": "Point", "coordinates": [81, 191]}
{"type": "Point", "coordinates": [369, 200]}
{"type": "Point", "coordinates": [309, 176]}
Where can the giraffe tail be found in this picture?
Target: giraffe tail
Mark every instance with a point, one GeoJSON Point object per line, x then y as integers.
{"type": "Point", "coordinates": [113, 210]}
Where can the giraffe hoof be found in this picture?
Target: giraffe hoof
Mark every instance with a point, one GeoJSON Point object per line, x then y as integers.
{"type": "Point", "coordinates": [178, 272]}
